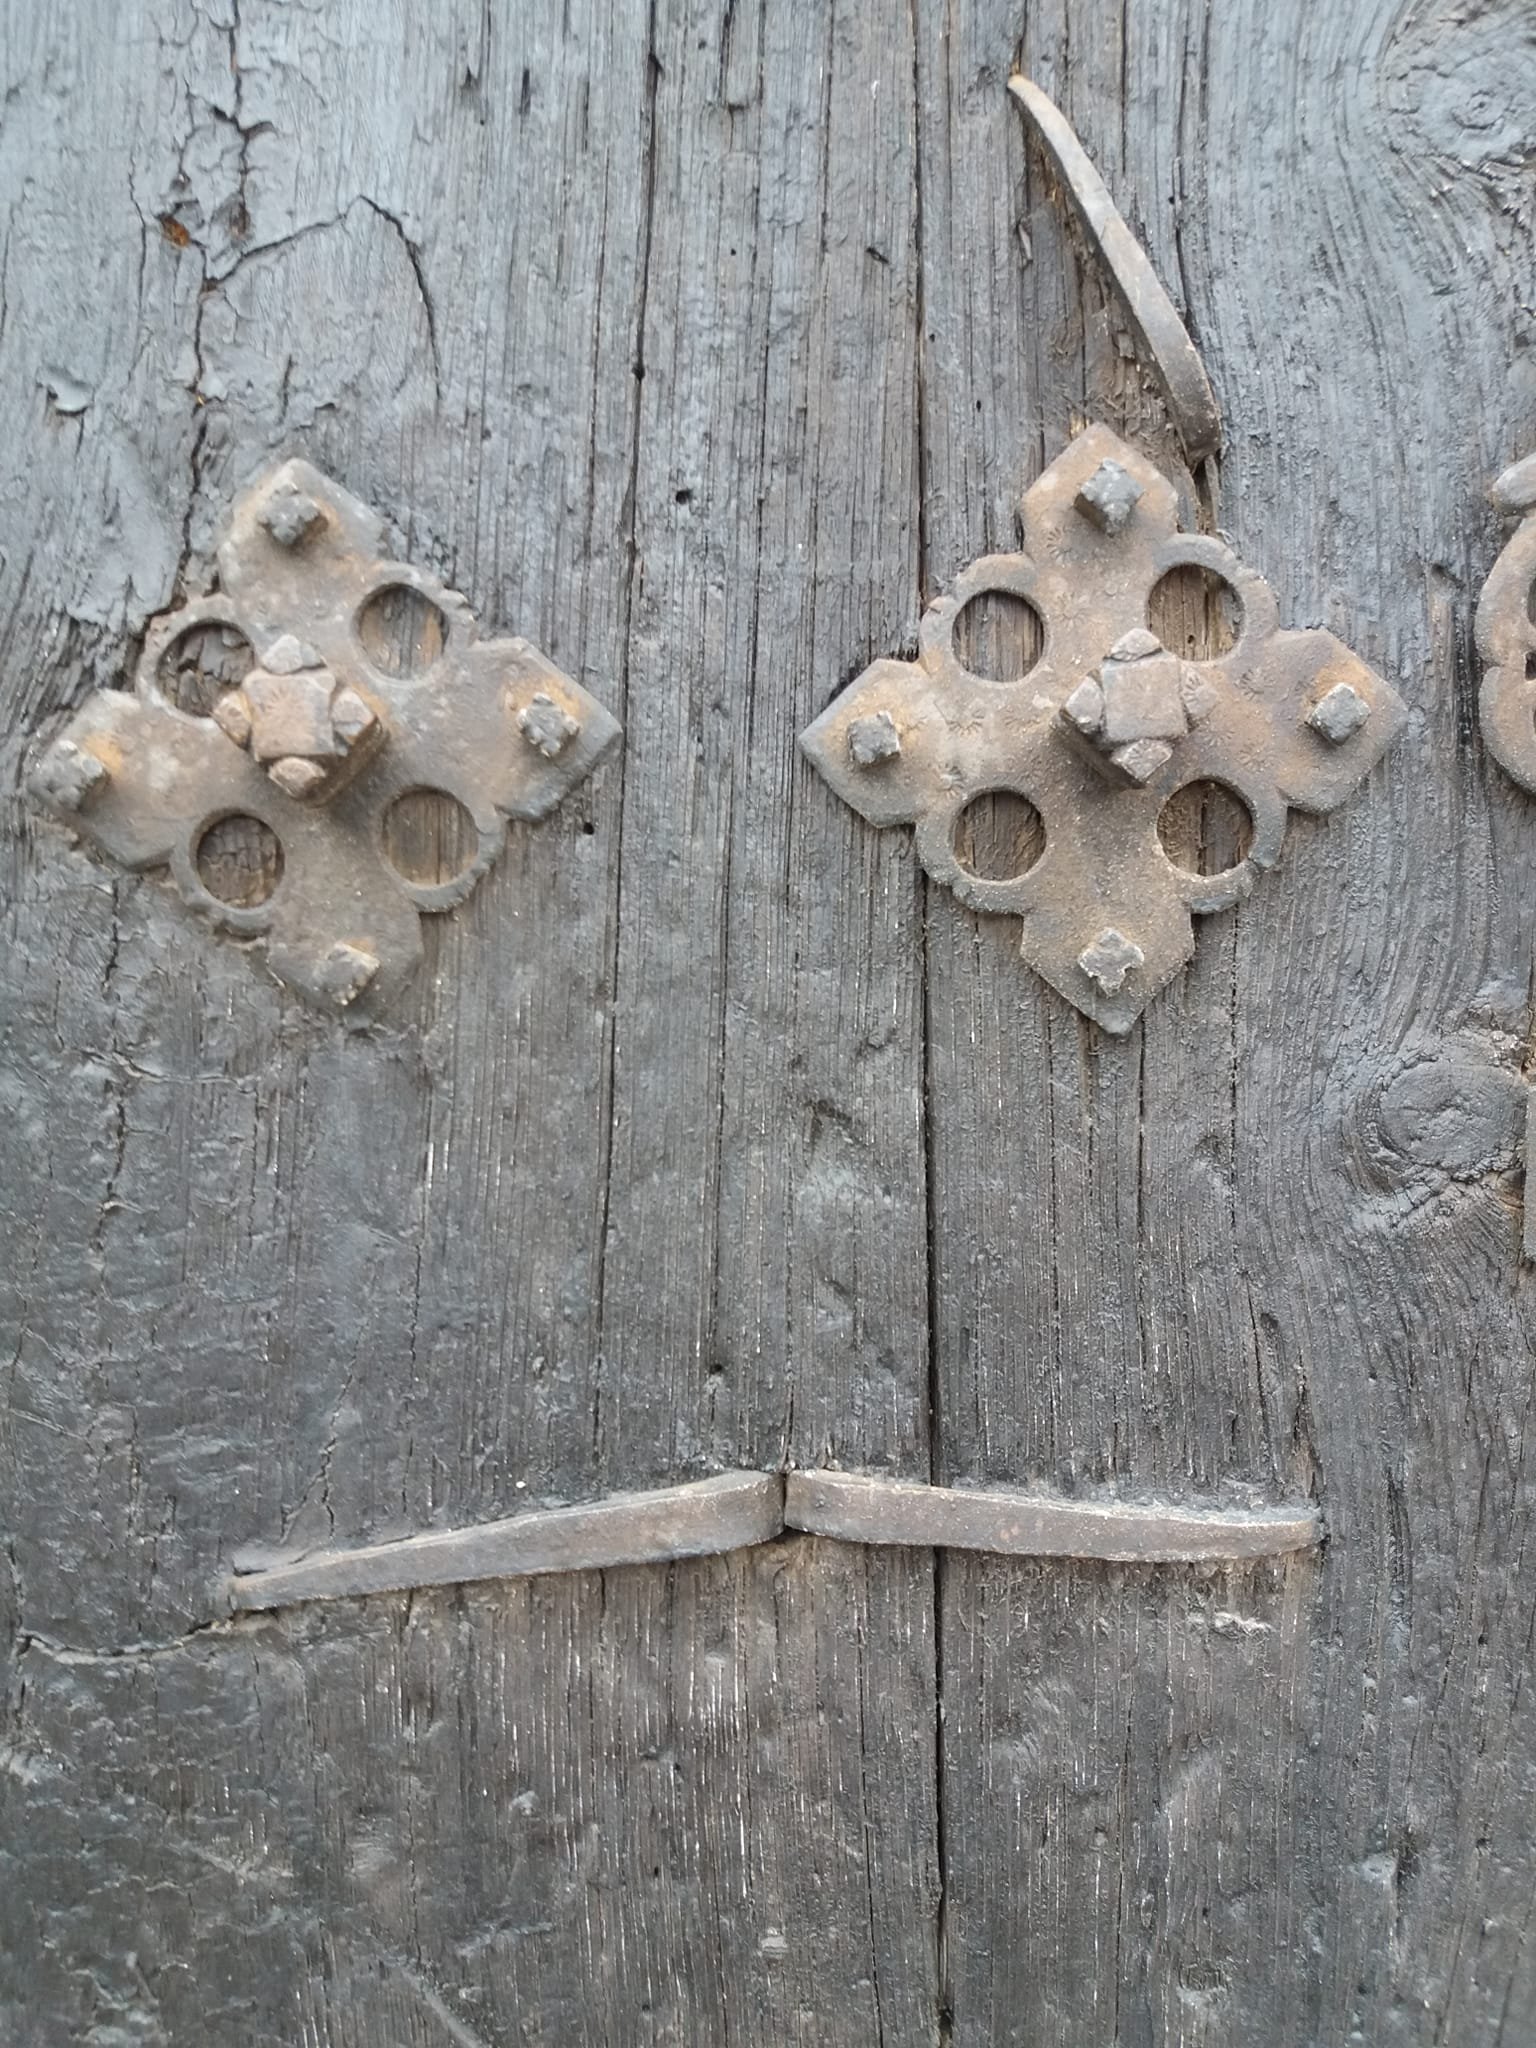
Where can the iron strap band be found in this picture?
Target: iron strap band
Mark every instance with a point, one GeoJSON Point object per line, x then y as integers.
{"type": "Point", "coordinates": [735, 1510]}
{"type": "Point", "coordinates": [857, 1508]}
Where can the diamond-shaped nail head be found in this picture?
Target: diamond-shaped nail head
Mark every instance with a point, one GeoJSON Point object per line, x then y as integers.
{"type": "Point", "coordinates": [1109, 497]}
{"type": "Point", "coordinates": [1105, 728]}
{"type": "Point", "coordinates": [1339, 715]}
{"type": "Point", "coordinates": [874, 739]}
{"type": "Point", "coordinates": [287, 656]}
{"type": "Point", "coordinates": [345, 972]}
{"type": "Point", "coordinates": [545, 726]}
{"type": "Point", "coordinates": [1085, 706]}
{"type": "Point", "coordinates": [1141, 759]}
{"type": "Point", "coordinates": [297, 777]}
{"type": "Point", "coordinates": [290, 515]}
{"type": "Point", "coordinates": [1110, 958]}
{"type": "Point", "coordinates": [68, 777]}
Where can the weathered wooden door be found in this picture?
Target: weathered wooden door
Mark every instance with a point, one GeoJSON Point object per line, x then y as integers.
{"type": "Point", "coordinates": [703, 341]}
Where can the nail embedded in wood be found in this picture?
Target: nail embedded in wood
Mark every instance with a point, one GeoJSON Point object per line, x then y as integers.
{"type": "Point", "coordinates": [873, 739]}
{"type": "Point", "coordinates": [1192, 406]}
{"type": "Point", "coordinates": [1109, 497]}
{"type": "Point", "coordinates": [1339, 714]}
{"type": "Point", "coordinates": [729, 1512]}
{"type": "Point", "coordinates": [344, 972]}
{"type": "Point", "coordinates": [864, 1508]}
{"type": "Point", "coordinates": [69, 777]}
{"type": "Point", "coordinates": [1110, 958]}
{"type": "Point", "coordinates": [290, 515]}
{"type": "Point", "coordinates": [545, 725]}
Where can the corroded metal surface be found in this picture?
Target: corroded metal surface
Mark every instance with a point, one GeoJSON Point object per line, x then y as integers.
{"type": "Point", "coordinates": [1506, 633]}
{"type": "Point", "coordinates": [316, 742]}
{"type": "Point", "coordinates": [698, 1519]}
{"type": "Point", "coordinates": [855, 1507]}
{"type": "Point", "coordinates": [1103, 730]}
{"type": "Point", "coordinates": [1192, 404]}
{"type": "Point", "coordinates": [736, 1510]}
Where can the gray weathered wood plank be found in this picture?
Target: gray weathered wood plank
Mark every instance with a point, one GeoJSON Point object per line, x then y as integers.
{"type": "Point", "coordinates": [1199, 1257]}
{"type": "Point", "coordinates": [276, 1286]}
{"type": "Point", "coordinates": [704, 342]}
{"type": "Point", "coordinates": [763, 1278]}
{"type": "Point", "coordinates": [564, 1809]}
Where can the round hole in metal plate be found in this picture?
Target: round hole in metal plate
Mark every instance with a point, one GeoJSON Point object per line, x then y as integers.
{"type": "Point", "coordinates": [199, 665]}
{"type": "Point", "coordinates": [429, 837]}
{"type": "Point", "coordinates": [998, 636]}
{"type": "Point", "coordinates": [402, 632]}
{"type": "Point", "coordinates": [1206, 829]}
{"type": "Point", "coordinates": [1195, 613]}
{"type": "Point", "coordinates": [239, 860]}
{"type": "Point", "coordinates": [999, 836]}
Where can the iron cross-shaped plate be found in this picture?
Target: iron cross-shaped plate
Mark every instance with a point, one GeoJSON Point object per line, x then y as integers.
{"type": "Point", "coordinates": [1104, 729]}
{"type": "Point", "coordinates": [314, 742]}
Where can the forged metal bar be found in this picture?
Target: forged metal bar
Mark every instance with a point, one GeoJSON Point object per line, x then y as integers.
{"type": "Point", "coordinates": [736, 1510]}
{"type": "Point", "coordinates": [857, 1508]}
{"type": "Point", "coordinates": [1192, 404]}
{"type": "Point", "coordinates": [728, 1512]}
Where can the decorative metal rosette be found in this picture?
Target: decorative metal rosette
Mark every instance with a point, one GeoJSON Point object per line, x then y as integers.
{"type": "Point", "coordinates": [1104, 730]}
{"type": "Point", "coordinates": [315, 740]}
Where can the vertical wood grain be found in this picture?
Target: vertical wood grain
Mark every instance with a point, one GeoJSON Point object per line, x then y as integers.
{"type": "Point", "coordinates": [704, 341]}
{"type": "Point", "coordinates": [582, 299]}
{"type": "Point", "coordinates": [1197, 1259]}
